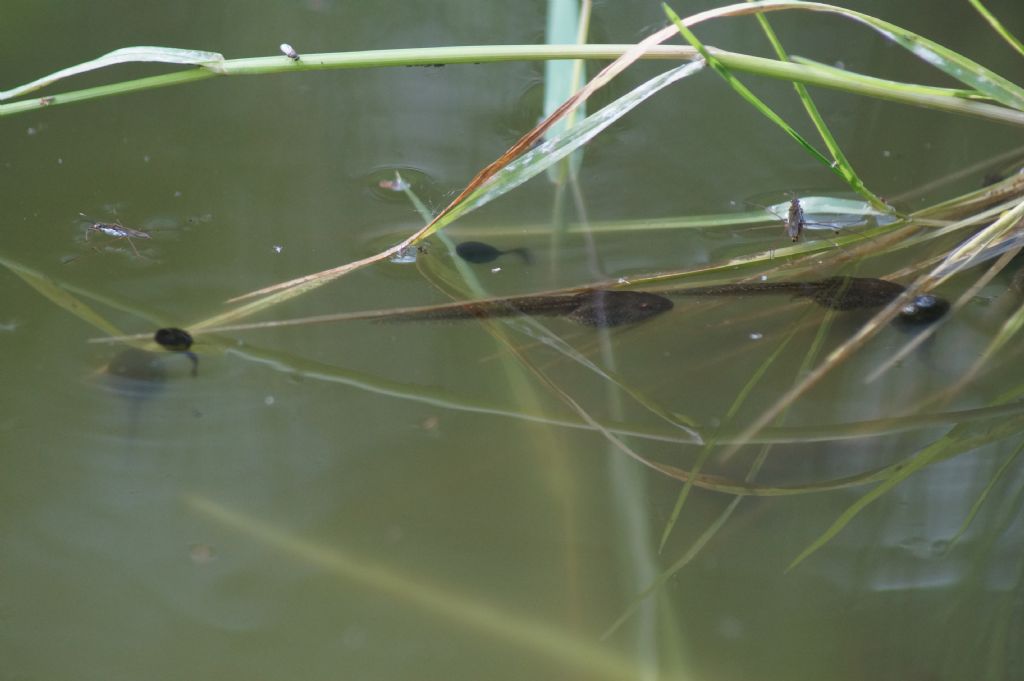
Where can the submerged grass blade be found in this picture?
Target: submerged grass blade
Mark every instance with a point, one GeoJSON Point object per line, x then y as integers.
{"type": "Point", "coordinates": [1010, 328]}
{"type": "Point", "coordinates": [956, 441]}
{"type": "Point", "coordinates": [60, 296]}
{"type": "Point", "coordinates": [417, 593]}
{"type": "Point", "coordinates": [709, 448]}
{"type": "Point", "coordinates": [980, 501]}
{"type": "Point", "coordinates": [998, 27]}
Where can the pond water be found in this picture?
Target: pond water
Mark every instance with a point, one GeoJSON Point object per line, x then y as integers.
{"type": "Point", "coordinates": [422, 500]}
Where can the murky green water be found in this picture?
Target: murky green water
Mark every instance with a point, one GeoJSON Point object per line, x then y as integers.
{"type": "Point", "coordinates": [408, 501]}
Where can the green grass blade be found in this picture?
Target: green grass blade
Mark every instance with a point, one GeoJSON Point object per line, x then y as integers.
{"type": "Point", "coordinates": [211, 61]}
{"type": "Point", "coordinates": [842, 162]}
{"type": "Point", "coordinates": [997, 25]}
{"type": "Point", "coordinates": [952, 63]}
{"type": "Point", "coordinates": [744, 92]}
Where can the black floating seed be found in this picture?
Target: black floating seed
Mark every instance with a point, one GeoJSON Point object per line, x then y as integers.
{"type": "Point", "coordinates": [173, 339]}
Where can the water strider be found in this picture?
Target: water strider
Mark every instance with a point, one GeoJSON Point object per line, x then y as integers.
{"type": "Point", "coordinates": [478, 252]}
{"type": "Point", "coordinates": [116, 230]}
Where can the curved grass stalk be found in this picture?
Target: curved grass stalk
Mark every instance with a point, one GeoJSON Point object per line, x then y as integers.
{"type": "Point", "coordinates": [969, 72]}
{"type": "Point", "coordinates": [939, 99]}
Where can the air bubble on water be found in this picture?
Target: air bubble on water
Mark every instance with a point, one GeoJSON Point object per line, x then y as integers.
{"type": "Point", "coordinates": [177, 194]}
{"type": "Point", "coordinates": [31, 131]}
{"type": "Point", "coordinates": [60, 161]}
{"type": "Point", "coordinates": [886, 153]}
{"type": "Point", "coordinates": [145, 159]}
{"type": "Point", "coordinates": [268, 400]}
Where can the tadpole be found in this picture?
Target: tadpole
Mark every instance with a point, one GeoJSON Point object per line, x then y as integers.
{"type": "Point", "coordinates": [478, 252]}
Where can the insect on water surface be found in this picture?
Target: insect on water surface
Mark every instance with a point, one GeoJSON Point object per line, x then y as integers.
{"type": "Point", "coordinates": [115, 230]}
{"type": "Point", "coordinates": [796, 223]}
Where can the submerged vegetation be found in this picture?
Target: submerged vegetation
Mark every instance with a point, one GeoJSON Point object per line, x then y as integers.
{"type": "Point", "coordinates": [971, 235]}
